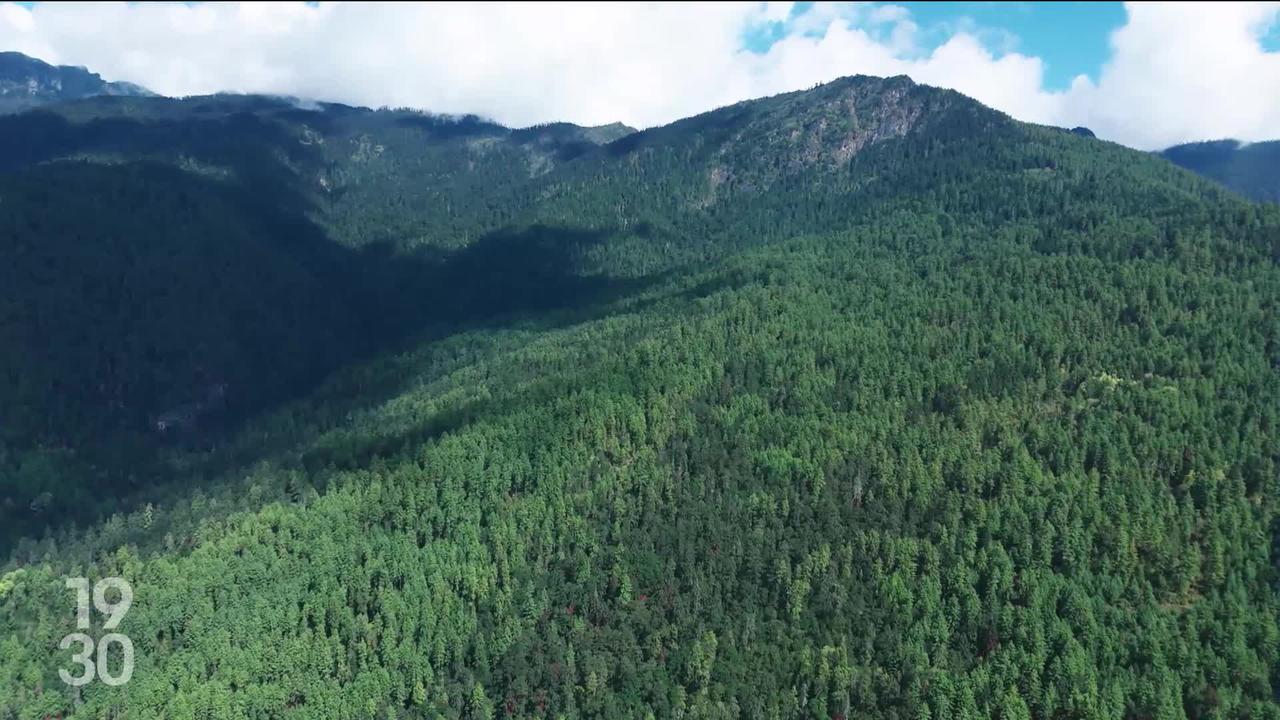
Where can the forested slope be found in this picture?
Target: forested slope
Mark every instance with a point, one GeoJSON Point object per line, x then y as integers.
{"type": "Point", "coordinates": [1251, 169]}
{"type": "Point", "coordinates": [865, 401]}
{"type": "Point", "coordinates": [153, 251]}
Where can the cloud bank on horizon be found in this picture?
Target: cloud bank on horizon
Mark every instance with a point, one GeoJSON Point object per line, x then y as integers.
{"type": "Point", "coordinates": [1176, 72]}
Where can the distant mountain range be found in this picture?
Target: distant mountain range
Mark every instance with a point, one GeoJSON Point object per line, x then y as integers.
{"type": "Point", "coordinates": [26, 82]}
{"type": "Point", "coordinates": [1251, 169]}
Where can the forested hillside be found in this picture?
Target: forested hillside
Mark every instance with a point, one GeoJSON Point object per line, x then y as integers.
{"type": "Point", "coordinates": [155, 251]}
{"type": "Point", "coordinates": [864, 401]}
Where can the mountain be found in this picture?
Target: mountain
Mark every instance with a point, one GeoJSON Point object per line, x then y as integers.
{"type": "Point", "coordinates": [196, 278]}
{"type": "Point", "coordinates": [26, 82]}
{"type": "Point", "coordinates": [1251, 169]}
{"type": "Point", "coordinates": [860, 401]}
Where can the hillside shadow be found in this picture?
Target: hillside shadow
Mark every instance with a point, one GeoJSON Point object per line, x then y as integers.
{"type": "Point", "coordinates": [516, 277]}
{"type": "Point", "coordinates": [343, 451]}
{"type": "Point", "coordinates": [207, 280]}
{"type": "Point", "coordinates": [229, 133]}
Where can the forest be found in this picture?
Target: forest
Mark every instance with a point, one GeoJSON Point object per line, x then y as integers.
{"type": "Point", "coordinates": [1251, 169]}
{"type": "Point", "coordinates": [864, 401]}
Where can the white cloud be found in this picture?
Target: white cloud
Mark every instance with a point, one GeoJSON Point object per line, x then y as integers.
{"type": "Point", "coordinates": [1177, 72]}
{"type": "Point", "coordinates": [1182, 72]}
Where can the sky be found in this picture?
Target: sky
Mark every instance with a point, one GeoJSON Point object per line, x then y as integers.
{"type": "Point", "coordinates": [1148, 75]}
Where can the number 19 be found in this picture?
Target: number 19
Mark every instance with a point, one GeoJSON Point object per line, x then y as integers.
{"type": "Point", "coordinates": [115, 611]}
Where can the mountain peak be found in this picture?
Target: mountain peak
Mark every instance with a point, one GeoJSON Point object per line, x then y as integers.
{"type": "Point", "coordinates": [876, 80]}
{"type": "Point", "coordinates": [560, 132]}
{"type": "Point", "coordinates": [27, 82]}
{"type": "Point", "coordinates": [825, 125]}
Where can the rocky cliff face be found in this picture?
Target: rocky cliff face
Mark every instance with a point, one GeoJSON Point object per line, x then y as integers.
{"type": "Point", "coordinates": [26, 82]}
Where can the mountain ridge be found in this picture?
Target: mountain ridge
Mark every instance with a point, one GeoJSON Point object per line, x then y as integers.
{"type": "Point", "coordinates": [26, 82]}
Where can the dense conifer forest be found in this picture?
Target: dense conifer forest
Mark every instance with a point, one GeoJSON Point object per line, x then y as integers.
{"type": "Point", "coordinates": [864, 401]}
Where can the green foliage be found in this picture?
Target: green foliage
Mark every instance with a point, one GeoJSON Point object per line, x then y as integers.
{"type": "Point", "coordinates": [977, 420]}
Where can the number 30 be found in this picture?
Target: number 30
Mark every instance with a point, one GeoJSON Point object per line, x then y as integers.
{"type": "Point", "coordinates": [102, 671]}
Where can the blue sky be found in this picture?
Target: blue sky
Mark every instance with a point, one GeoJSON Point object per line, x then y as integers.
{"type": "Point", "coordinates": [1271, 40]}
{"type": "Point", "coordinates": [1072, 38]}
